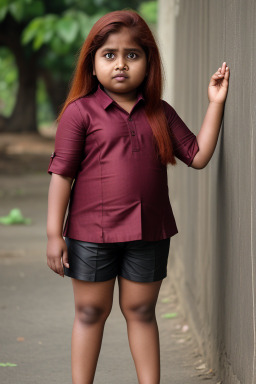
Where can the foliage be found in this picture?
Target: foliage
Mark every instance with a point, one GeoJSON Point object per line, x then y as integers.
{"type": "Point", "coordinates": [21, 10]}
{"type": "Point", "coordinates": [148, 10]}
{"type": "Point", "coordinates": [44, 111]}
{"type": "Point", "coordinates": [8, 81]}
{"type": "Point", "coordinates": [59, 32]}
{"type": "Point", "coordinates": [56, 30]}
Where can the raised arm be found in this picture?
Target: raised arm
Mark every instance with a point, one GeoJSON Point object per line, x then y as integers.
{"type": "Point", "coordinates": [58, 198]}
{"type": "Point", "coordinates": [208, 135]}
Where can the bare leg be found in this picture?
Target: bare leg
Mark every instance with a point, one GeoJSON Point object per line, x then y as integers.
{"type": "Point", "coordinates": [137, 302]}
{"type": "Point", "coordinates": [93, 303]}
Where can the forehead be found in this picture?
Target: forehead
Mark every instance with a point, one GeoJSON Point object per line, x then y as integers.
{"type": "Point", "coordinates": [122, 38]}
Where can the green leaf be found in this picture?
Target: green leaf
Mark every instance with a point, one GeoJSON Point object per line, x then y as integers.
{"type": "Point", "coordinates": [8, 365]}
{"type": "Point", "coordinates": [67, 29]}
{"type": "Point", "coordinates": [31, 30]}
{"type": "Point", "coordinates": [48, 34]}
{"type": "Point", "coordinates": [148, 11]}
{"type": "Point", "coordinates": [35, 9]}
{"type": "Point", "coordinates": [3, 12]}
{"type": "Point", "coordinates": [169, 315]}
{"type": "Point", "coordinates": [4, 3]}
{"type": "Point", "coordinates": [14, 217]}
{"type": "Point", "coordinates": [17, 10]}
{"type": "Point", "coordinates": [58, 47]}
{"type": "Point", "coordinates": [11, 77]}
{"type": "Point", "coordinates": [165, 300]}
{"type": "Point", "coordinates": [38, 40]}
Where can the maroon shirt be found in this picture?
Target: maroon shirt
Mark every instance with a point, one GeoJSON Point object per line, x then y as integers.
{"type": "Point", "coordinates": [120, 191]}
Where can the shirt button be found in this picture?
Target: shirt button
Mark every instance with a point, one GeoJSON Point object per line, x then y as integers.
{"type": "Point", "coordinates": [133, 133]}
{"type": "Point", "coordinates": [130, 119]}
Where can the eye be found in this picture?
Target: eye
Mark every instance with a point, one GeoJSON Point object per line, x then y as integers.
{"type": "Point", "coordinates": [132, 55]}
{"type": "Point", "coordinates": [109, 55]}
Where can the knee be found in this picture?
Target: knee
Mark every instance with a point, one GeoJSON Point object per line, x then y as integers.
{"type": "Point", "coordinates": [143, 312]}
{"type": "Point", "coordinates": [89, 314]}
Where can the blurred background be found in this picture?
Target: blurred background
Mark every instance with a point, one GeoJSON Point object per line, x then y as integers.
{"type": "Point", "coordinates": [212, 260]}
{"type": "Point", "coordinates": [39, 44]}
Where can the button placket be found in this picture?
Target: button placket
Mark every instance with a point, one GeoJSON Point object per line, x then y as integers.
{"type": "Point", "coordinates": [134, 137]}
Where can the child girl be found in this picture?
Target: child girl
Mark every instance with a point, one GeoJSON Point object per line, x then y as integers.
{"type": "Point", "coordinates": [114, 140]}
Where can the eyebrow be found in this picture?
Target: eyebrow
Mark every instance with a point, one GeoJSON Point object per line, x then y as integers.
{"type": "Point", "coordinates": [126, 49]}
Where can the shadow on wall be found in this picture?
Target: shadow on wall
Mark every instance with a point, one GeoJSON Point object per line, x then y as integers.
{"type": "Point", "coordinates": [221, 267]}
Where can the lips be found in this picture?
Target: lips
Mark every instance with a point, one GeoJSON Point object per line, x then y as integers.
{"type": "Point", "coordinates": [120, 75]}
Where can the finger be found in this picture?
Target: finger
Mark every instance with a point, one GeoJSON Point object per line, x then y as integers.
{"type": "Point", "coordinates": [50, 264]}
{"type": "Point", "coordinates": [223, 68]}
{"type": "Point", "coordinates": [215, 78]}
{"type": "Point", "coordinates": [226, 76]}
{"type": "Point", "coordinates": [65, 259]}
{"type": "Point", "coordinates": [58, 267]}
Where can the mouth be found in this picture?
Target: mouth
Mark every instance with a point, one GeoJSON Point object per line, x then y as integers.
{"type": "Point", "coordinates": [120, 77]}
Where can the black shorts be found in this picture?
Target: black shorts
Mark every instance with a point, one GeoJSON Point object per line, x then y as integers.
{"type": "Point", "coordinates": [137, 260]}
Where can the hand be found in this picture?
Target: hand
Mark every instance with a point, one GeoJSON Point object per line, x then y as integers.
{"type": "Point", "coordinates": [218, 86]}
{"type": "Point", "coordinates": [57, 254]}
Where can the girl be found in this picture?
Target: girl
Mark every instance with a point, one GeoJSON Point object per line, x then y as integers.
{"type": "Point", "coordinates": [114, 140]}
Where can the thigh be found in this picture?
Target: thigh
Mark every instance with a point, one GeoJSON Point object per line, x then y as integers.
{"type": "Point", "coordinates": [135, 296]}
{"type": "Point", "coordinates": [145, 261]}
{"type": "Point", "coordinates": [93, 294]}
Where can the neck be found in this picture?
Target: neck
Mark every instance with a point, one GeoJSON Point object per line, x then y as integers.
{"type": "Point", "coordinates": [122, 97]}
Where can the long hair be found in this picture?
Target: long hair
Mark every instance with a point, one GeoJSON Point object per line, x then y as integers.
{"type": "Point", "coordinates": [84, 82]}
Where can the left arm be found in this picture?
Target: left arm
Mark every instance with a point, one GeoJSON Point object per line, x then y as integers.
{"type": "Point", "coordinates": [208, 135]}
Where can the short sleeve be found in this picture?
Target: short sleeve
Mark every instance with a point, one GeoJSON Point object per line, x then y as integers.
{"type": "Point", "coordinates": [69, 143]}
{"type": "Point", "coordinates": [185, 145]}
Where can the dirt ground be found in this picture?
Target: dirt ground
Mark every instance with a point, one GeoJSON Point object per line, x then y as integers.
{"type": "Point", "coordinates": [25, 153]}
{"type": "Point", "coordinates": [36, 305]}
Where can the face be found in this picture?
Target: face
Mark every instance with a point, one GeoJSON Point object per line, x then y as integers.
{"type": "Point", "coordinates": [120, 64]}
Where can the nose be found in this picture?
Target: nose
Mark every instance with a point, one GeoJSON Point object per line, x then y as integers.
{"type": "Point", "coordinates": [121, 65]}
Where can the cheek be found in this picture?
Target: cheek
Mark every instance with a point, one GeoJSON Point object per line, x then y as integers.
{"type": "Point", "coordinates": [97, 64]}
{"type": "Point", "coordinates": [101, 67]}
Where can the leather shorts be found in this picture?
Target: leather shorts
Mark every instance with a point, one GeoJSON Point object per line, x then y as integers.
{"type": "Point", "coordinates": [137, 260]}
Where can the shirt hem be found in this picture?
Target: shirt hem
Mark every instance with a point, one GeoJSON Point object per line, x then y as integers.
{"type": "Point", "coordinates": [121, 239]}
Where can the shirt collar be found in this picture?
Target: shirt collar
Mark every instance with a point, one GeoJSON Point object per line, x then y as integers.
{"type": "Point", "coordinates": [105, 100]}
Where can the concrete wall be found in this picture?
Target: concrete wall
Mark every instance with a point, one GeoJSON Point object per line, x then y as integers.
{"type": "Point", "coordinates": [212, 259]}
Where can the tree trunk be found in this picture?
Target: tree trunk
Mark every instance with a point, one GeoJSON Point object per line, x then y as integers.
{"type": "Point", "coordinates": [56, 89]}
{"type": "Point", "coordinates": [23, 117]}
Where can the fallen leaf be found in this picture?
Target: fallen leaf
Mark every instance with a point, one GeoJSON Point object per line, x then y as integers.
{"type": "Point", "coordinates": [14, 217]}
{"type": "Point", "coordinates": [8, 365]}
{"type": "Point", "coordinates": [165, 300]}
{"type": "Point", "coordinates": [169, 315]}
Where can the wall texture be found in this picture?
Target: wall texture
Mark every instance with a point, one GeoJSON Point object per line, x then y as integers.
{"type": "Point", "coordinates": [212, 259]}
